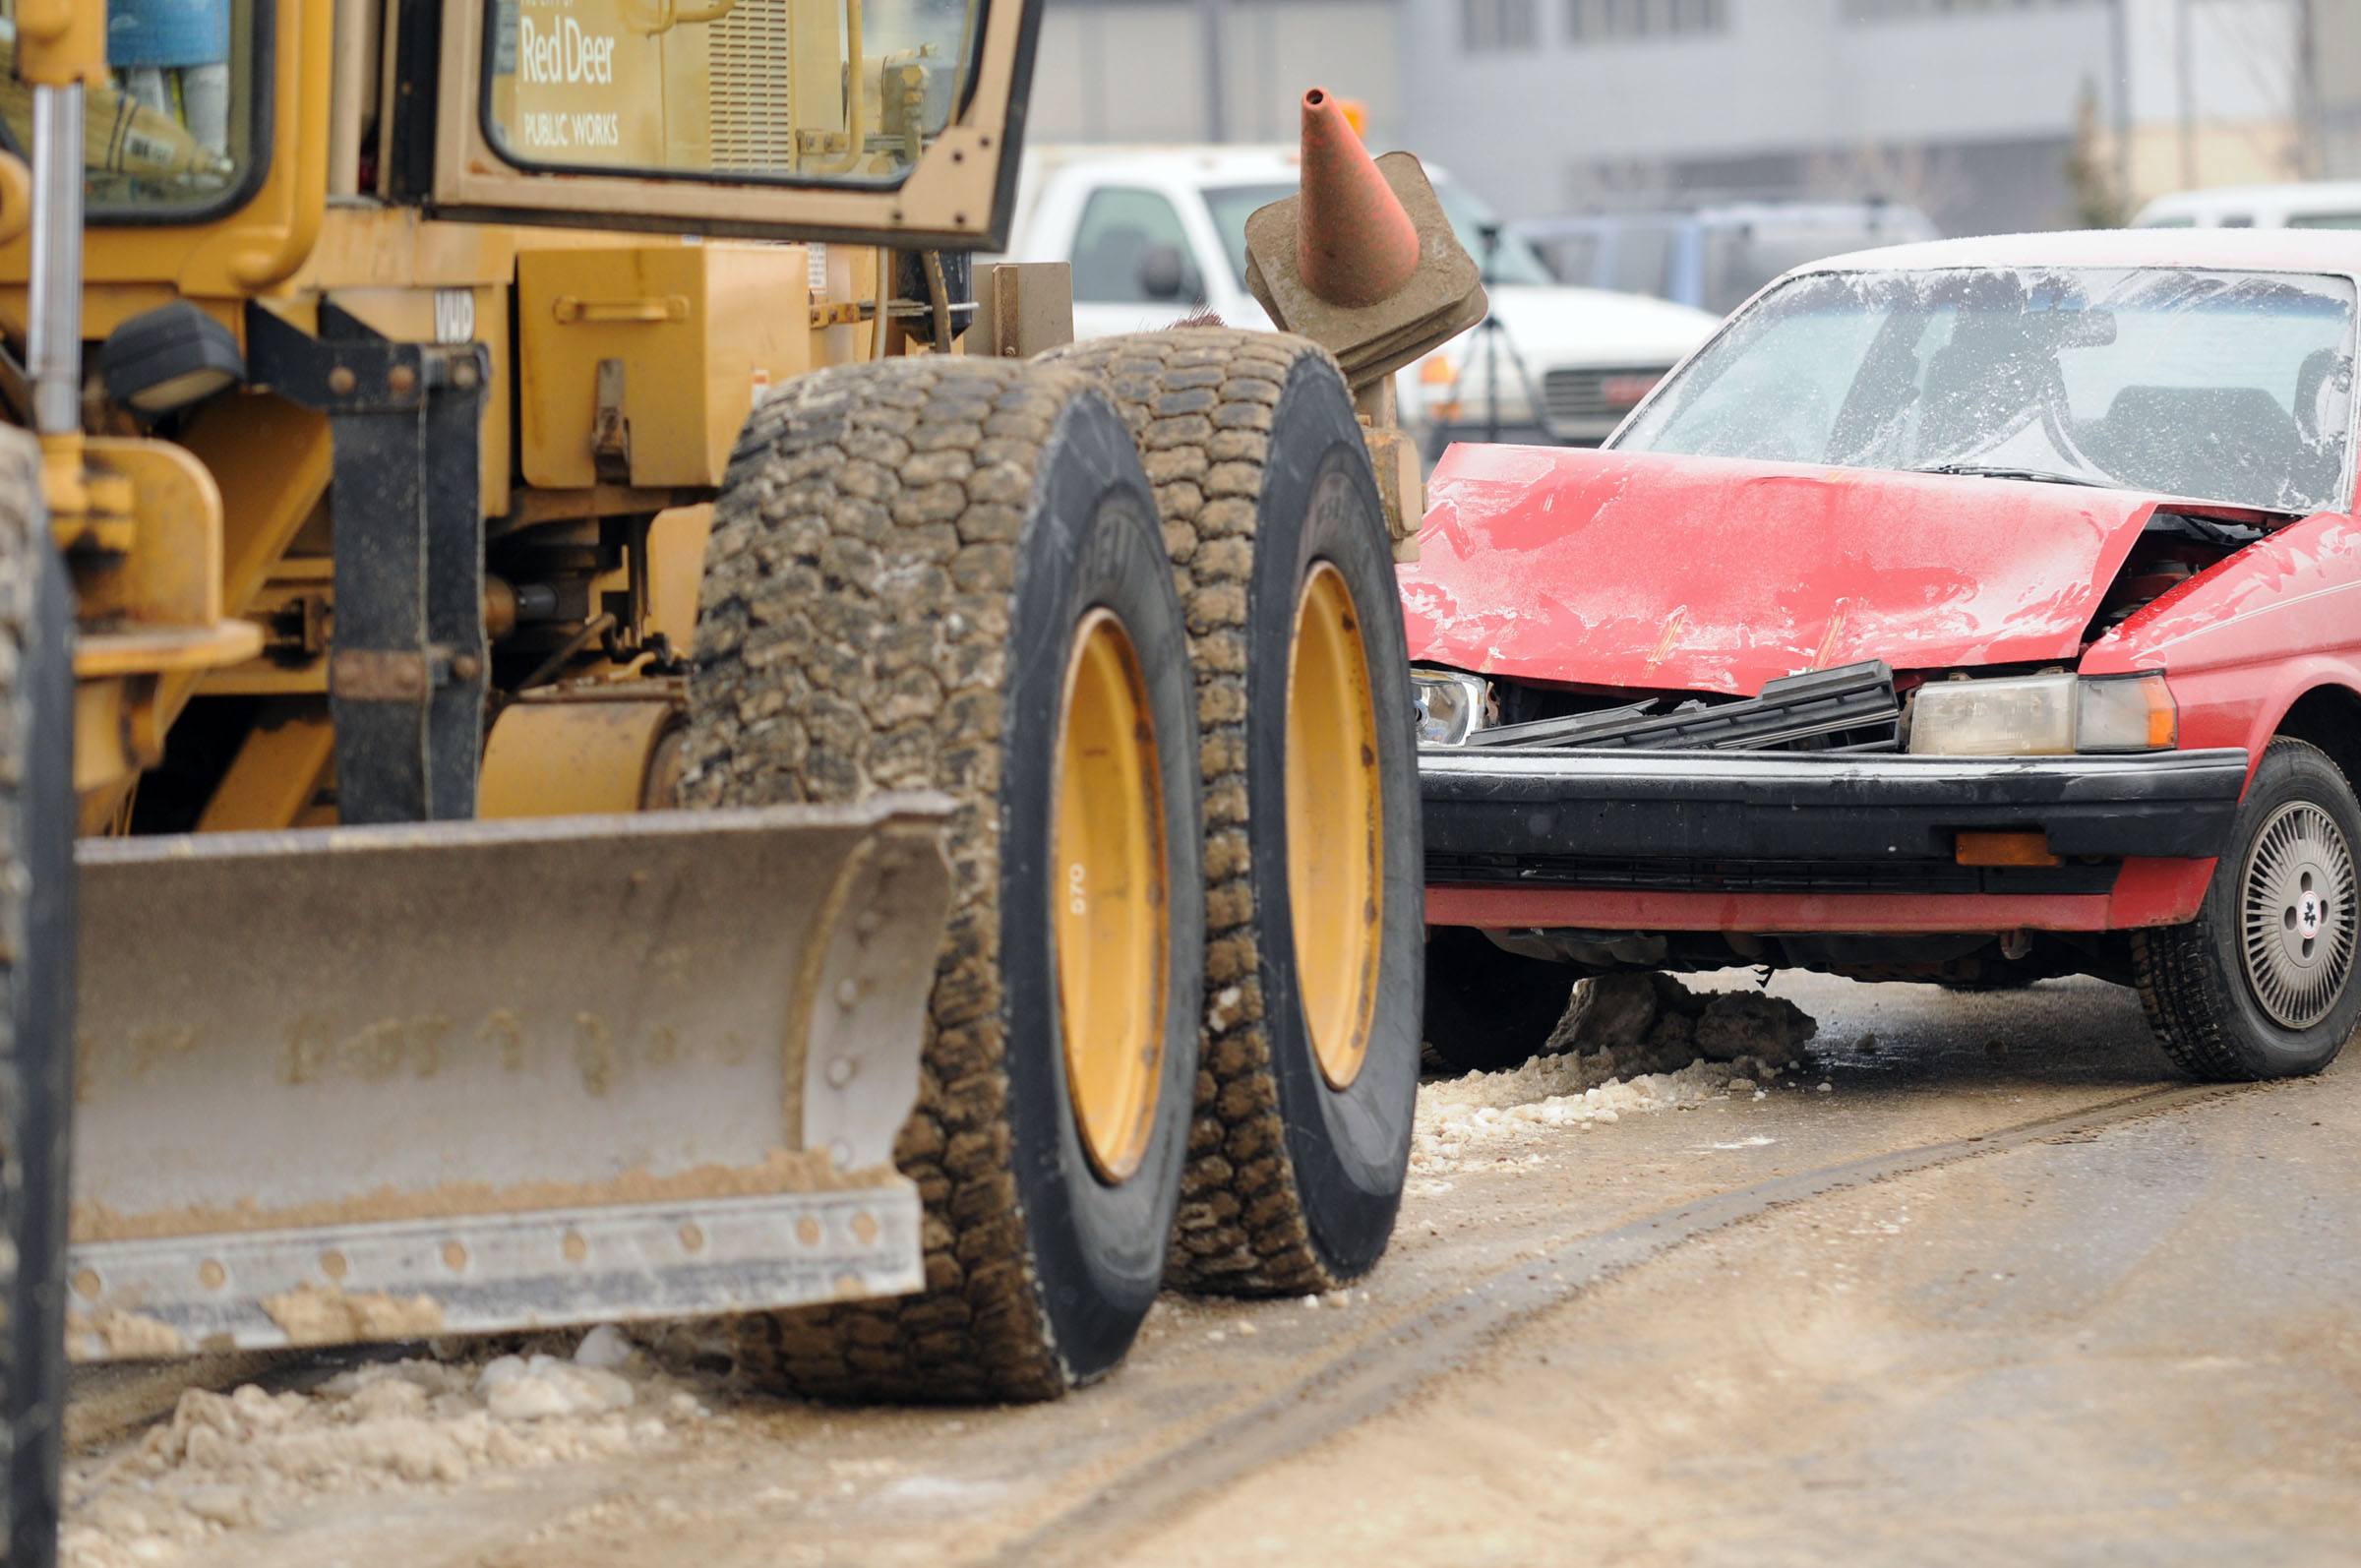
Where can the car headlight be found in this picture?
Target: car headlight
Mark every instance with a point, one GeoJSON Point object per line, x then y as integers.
{"type": "Point", "coordinates": [2045, 715]}
{"type": "Point", "coordinates": [1451, 706]}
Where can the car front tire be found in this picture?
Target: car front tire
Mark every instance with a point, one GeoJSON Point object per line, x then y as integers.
{"type": "Point", "coordinates": [2260, 985]}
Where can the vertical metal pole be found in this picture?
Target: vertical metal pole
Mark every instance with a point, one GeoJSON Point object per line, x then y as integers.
{"type": "Point", "coordinates": [2185, 68]}
{"type": "Point", "coordinates": [1217, 107]}
{"type": "Point", "coordinates": [2311, 132]}
{"type": "Point", "coordinates": [1491, 328]}
{"type": "Point", "coordinates": [2120, 42]}
{"type": "Point", "coordinates": [55, 308]}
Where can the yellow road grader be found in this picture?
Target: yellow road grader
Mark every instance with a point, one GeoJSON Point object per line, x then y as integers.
{"type": "Point", "coordinates": [593, 726]}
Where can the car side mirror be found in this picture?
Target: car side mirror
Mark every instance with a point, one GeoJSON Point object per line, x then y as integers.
{"type": "Point", "coordinates": [1163, 274]}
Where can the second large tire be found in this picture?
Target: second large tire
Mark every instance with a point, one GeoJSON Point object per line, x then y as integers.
{"type": "Point", "coordinates": [946, 574]}
{"type": "Point", "coordinates": [1313, 858]}
{"type": "Point", "coordinates": [37, 994]}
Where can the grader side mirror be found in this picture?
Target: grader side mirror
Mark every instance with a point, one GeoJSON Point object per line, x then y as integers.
{"type": "Point", "coordinates": [1163, 274]}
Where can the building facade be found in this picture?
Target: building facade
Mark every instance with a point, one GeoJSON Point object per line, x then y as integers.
{"type": "Point", "coordinates": [2336, 50]}
{"type": "Point", "coordinates": [1978, 110]}
{"type": "Point", "coordinates": [1989, 114]}
{"type": "Point", "coordinates": [1137, 70]}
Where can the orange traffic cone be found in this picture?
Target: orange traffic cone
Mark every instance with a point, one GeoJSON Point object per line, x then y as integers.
{"type": "Point", "coordinates": [1354, 244]}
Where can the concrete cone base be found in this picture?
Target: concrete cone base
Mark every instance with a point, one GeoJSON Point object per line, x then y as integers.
{"type": "Point", "coordinates": [1443, 297]}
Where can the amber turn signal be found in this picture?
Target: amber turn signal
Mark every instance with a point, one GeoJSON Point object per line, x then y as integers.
{"type": "Point", "coordinates": [2005, 849]}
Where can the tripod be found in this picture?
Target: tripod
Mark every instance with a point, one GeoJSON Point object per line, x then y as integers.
{"type": "Point", "coordinates": [1496, 340]}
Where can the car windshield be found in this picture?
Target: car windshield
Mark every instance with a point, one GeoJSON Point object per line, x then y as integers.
{"type": "Point", "coordinates": [1515, 261]}
{"type": "Point", "coordinates": [2232, 386]}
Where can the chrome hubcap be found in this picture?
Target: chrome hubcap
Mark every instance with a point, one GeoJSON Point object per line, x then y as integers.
{"type": "Point", "coordinates": [2298, 915]}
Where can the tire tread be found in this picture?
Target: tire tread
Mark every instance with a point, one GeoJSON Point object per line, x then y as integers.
{"type": "Point", "coordinates": [1199, 402]}
{"type": "Point", "coordinates": [37, 935]}
{"type": "Point", "coordinates": [852, 639]}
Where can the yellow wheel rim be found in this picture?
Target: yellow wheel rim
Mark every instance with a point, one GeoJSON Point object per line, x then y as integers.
{"type": "Point", "coordinates": [1109, 892]}
{"type": "Point", "coordinates": [1335, 845]}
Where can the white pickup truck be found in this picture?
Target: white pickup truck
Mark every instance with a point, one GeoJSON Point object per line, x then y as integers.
{"type": "Point", "coordinates": [1155, 234]}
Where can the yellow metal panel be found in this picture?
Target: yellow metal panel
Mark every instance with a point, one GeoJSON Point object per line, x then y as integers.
{"type": "Point", "coordinates": [262, 677]}
{"type": "Point", "coordinates": [185, 651]}
{"type": "Point", "coordinates": [276, 771]}
{"type": "Point", "coordinates": [172, 575]}
{"type": "Point", "coordinates": [573, 757]}
{"type": "Point", "coordinates": [102, 760]}
{"type": "Point", "coordinates": [106, 306]}
{"type": "Point", "coordinates": [270, 461]}
{"type": "Point", "coordinates": [62, 42]}
{"type": "Point", "coordinates": [676, 571]}
{"type": "Point", "coordinates": [695, 329]}
{"type": "Point", "coordinates": [16, 197]}
{"type": "Point", "coordinates": [366, 245]}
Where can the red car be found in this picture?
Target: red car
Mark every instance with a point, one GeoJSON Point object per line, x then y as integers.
{"type": "Point", "coordinates": [1970, 612]}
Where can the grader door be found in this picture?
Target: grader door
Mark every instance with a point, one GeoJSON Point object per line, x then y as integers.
{"type": "Point", "coordinates": [772, 118]}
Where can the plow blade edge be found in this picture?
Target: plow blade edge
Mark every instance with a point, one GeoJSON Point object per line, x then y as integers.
{"type": "Point", "coordinates": [459, 1077]}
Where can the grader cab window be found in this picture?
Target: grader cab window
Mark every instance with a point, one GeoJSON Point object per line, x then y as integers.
{"type": "Point", "coordinates": [171, 134]}
{"type": "Point", "coordinates": [845, 91]}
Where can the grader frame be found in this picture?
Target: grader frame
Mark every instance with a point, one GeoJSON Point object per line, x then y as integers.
{"type": "Point", "coordinates": [350, 1063]}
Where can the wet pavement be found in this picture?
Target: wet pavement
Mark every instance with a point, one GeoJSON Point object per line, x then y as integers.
{"type": "Point", "coordinates": [2000, 1293]}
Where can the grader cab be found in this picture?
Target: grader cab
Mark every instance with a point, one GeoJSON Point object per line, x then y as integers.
{"type": "Point", "coordinates": [587, 733]}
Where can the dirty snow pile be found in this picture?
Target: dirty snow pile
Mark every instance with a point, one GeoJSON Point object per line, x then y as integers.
{"type": "Point", "coordinates": [226, 1461]}
{"type": "Point", "coordinates": [1628, 1042]}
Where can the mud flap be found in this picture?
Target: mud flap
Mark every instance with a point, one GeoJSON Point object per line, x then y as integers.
{"type": "Point", "coordinates": [381, 1082]}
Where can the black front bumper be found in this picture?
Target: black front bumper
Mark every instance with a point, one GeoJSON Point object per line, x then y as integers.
{"type": "Point", "coordinates": [1764, 821]}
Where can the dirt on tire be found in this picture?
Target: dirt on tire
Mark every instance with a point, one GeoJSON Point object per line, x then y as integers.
{"type": "Point", "coordinates": [854, 637]}
{"type": "Point", "coordinates": [1201, 401]}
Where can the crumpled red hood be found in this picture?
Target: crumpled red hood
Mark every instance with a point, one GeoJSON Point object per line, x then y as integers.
{"type": "Point", "coordinates": [1634, 570]}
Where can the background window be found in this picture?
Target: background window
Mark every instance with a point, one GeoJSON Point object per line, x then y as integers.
{"type": "Point", "coordinates": [1487, 26]}
{"type": "Point", "coordinates": [1592, 22]}
{"type": "Point", "coordinates": [1131, 250]}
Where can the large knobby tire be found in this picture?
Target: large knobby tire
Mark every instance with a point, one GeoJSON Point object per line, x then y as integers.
{"type": "Point", "coordinates": [37, 999]}
{"type": "Point", "coordinates": [1316, 910]}
{"type": "Point", "coordinates": [920, 573]}
{"type": "Point", "coordinates": [1487, 1009]}
{"type": "Point", "coordinates": [2260, 985]}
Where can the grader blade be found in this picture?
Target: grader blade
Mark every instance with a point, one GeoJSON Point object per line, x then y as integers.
{"type": "Point", "coordinates": [382, 1082]}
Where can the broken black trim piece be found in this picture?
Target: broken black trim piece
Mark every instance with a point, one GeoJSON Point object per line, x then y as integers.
{"type": "Point", "coordinates": [1849, 708]}
{"type": "Point", "coordinates": [1558, 807]}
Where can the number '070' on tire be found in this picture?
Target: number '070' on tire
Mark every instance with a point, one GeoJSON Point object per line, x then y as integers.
{"type": "Point", "coordinates": [1315, 892]}
{"type": "Point", "coordinates": [946, 574]}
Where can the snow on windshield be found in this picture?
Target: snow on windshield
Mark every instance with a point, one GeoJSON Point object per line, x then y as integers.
{"type": "Point", "coordinates": [2214, 386]}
